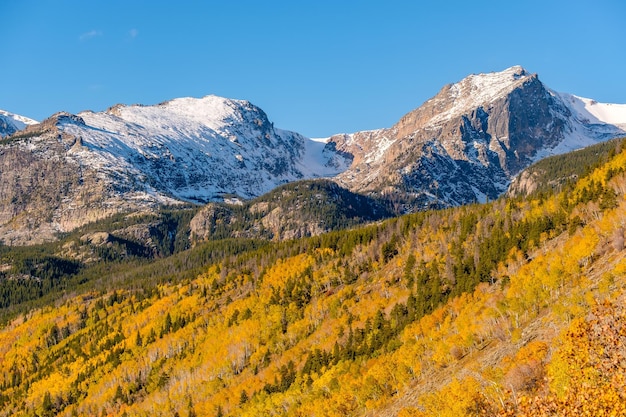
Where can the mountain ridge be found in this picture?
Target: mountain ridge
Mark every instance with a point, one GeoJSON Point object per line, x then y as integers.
{"type": "Point", "coordinates": [464, 145]}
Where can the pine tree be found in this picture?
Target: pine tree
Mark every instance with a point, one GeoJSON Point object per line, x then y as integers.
{"type": "Point", "coordinates": [243, 398]}
{"type": "Point", "coordinates": [46, 405]}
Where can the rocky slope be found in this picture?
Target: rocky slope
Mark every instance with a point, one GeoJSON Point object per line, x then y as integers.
{"type": "Point", "coordinates": [466, 143]}
{"type": "Point", "coordinates": [291, 211]}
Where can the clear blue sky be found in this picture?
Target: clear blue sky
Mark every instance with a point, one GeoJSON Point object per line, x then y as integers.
{"type": "Point", "coordinates": [316, 67]}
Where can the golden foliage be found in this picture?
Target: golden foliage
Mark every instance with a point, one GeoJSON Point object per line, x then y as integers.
{"type": "Point", "coordinates": [195, 347]}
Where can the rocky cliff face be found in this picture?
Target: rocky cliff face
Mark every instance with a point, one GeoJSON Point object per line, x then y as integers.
{"type": "Point", "coordinates": [466, 143]}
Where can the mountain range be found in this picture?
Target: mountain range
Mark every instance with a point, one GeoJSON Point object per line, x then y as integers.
{"type": "Point", "coordinates": [464, 145]}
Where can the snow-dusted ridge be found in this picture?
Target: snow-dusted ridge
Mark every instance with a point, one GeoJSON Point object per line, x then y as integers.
{"type": "Point", "coordinates": [591, 112]}
{"type": "Point", "coordinates": [198, 149]}
{"type": "Point", "coordinates": [11, 123]}
{"type": "Point", "coordinates": [478, 89]}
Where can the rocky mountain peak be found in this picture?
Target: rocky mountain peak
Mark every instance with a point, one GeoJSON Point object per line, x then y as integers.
{"type": "Point", "coordinates": [63, 117]}
{"type": "Point", "coordinates": [472, 92]}
{"type": "Point", "coordinates": [115, 110]}
{"type": "Point", "coordinates": [468, 141]}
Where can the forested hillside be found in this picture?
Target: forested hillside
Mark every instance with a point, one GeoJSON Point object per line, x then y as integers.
{"type": "Point", "coordinates": [514, 307]}
{"type": "Point", "coordinates": [553, 173]}
{"type": "Point", "coordinates": [294, 210]}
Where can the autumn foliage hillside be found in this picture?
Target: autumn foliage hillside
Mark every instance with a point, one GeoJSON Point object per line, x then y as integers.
{"type": "Point", "coordinates": [514, 307]}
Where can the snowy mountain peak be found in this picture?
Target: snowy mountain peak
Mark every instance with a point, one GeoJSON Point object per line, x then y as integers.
{"type": "Point", "coordinates": [11, 123]}
{"type": "Point", "coordinates": [193, 115]}
{"type": "Point", "coordinates": [212, 106]}
{"type": "Point", "coordinates": [494, 82]}
{"type": "Point", "coordinates": [468, 141]}
{"type": "Point", "coordinates": [476, 90]}
{"type": "Point", "coordinates": [197, 149]}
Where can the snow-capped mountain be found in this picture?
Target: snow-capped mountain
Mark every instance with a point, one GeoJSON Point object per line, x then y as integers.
{"type": "Point", "coordinates": [466, 143]}
{"type": "Point", "coordinates": [72, 169]}
{"type": "Point", "coordinates": [197, 149]}
{"type": "Point", "coordinates": [11, 123]}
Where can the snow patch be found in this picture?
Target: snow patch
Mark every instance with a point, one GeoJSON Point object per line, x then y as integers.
{"type": "Point", "coordinates": [316, 160]}
{"type": "Point", "coordinates": [478, 89]}
{"type": "Point", "coordinates": [591, 123]}
{"type": "Point", "coordinates": [480, 196]}
{"type": "Point", "coordinates": [591, 112]}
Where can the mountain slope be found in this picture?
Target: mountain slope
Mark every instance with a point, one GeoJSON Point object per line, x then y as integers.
{"type": "Point", "coordinates": [466, 143]}
{"type": "Point", "coordinates": [450, 313]}
{"type": "Point", "coordinates": [299, 209]}
{"type": "Point", "coordinates": [554, 172]}
{"type": "Point", "coordinates": [11, 123]}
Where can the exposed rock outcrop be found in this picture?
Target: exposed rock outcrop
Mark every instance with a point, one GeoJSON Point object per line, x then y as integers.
{"type": "Point", "coordinates": [301, 209]}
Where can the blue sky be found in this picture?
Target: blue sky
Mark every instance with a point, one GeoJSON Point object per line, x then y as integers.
{"type": "Point", "coordinates": [316, 67]}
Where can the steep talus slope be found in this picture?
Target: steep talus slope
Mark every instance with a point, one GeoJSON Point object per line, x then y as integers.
{"type": "Point", "coordinates": [466, 143]}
